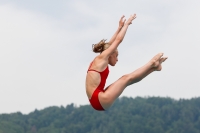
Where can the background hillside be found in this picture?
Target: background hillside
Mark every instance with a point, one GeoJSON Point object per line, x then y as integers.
{"type": "Point", "coordinates": [127, 115]}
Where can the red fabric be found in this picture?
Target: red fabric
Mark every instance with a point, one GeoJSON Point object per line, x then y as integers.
{"type": "Point", "coordinates": [94, 100]}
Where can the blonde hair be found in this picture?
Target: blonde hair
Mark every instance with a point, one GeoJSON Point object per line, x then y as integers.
{"type": "Point", "coordinates": [100, 47]}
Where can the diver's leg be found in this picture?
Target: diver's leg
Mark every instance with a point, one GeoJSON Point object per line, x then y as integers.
{"type": "Point", "coordinates": [114, 90]}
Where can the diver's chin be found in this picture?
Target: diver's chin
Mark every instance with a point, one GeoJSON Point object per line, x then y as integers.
{"type": "Point", "coordinates": [113, 64]}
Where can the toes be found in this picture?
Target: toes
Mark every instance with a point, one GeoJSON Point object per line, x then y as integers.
{"type": "Point", "coordinates": [158, 56]}
{"type": "Point", "coordinates": [165, 59]}
{"type": "Point", "coordinates": [162, 59]}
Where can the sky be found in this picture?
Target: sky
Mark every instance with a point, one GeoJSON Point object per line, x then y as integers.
{"type": "Point", "coordinates": [46, 48]}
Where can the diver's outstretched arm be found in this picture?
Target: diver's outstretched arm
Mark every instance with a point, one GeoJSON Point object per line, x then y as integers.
{"type": "Point", "coordinates": [121, 24]}
{"type": "Point", "coordinates": [119, 38]}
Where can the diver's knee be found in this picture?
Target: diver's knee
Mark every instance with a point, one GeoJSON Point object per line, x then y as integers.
{"type": "Point", "coordinates": [126, 78]}
{"type": "Point", "coordinates": [130, 78]}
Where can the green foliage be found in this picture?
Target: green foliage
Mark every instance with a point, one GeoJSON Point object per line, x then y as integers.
{"type": "Point", "coordinates": [127, 115]}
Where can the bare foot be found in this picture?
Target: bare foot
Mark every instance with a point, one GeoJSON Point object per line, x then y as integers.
{"type": "Point", "coordinates": [159, 67]}
{"type": "Point", "coordinates": [155, 61]}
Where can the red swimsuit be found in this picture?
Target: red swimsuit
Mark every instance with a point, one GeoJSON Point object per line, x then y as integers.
{"type": "Point", "coordinates": [94, 100]}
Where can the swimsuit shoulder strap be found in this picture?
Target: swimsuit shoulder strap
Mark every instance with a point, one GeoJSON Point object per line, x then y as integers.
{"type": "Point", "coordinates": [92, 69]}
{"type": "Point", "coordinates": [96, 70]}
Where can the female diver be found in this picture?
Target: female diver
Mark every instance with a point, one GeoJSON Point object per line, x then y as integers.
{"type": "Point", "coordinates": [100, 98]}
